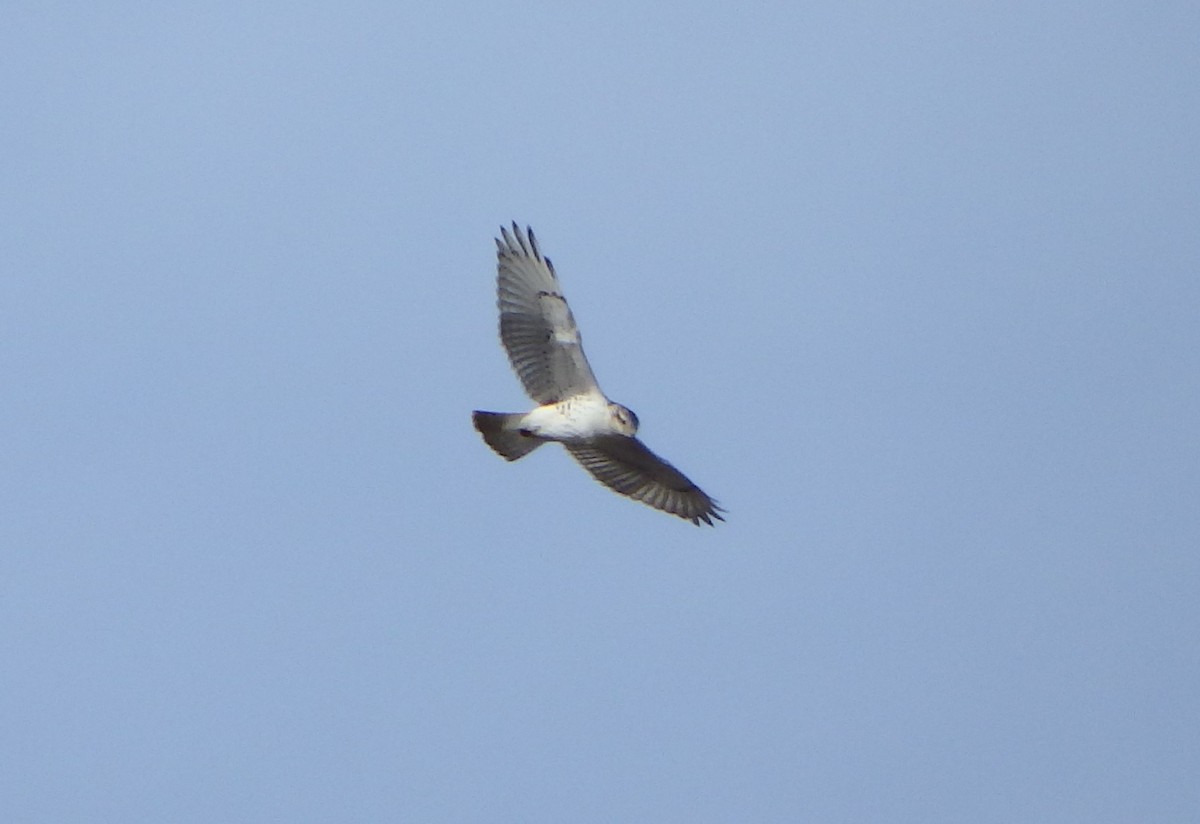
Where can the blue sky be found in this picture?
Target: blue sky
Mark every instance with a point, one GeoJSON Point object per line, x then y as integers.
{"type": "Point", "coordinates": [913, 289]}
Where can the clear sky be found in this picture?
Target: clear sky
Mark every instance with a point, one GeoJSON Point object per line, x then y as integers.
{"type": "Point", "coordinates": [912, 288]}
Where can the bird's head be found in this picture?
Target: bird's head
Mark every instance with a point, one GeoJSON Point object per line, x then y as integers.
{"type": "Point", "coordinates": [626, 422]}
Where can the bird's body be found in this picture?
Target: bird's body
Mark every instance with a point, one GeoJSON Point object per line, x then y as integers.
{"type": "Point", "coordinates": [544, 346]}
{"type": "Point", "coordinates": [575, 418]}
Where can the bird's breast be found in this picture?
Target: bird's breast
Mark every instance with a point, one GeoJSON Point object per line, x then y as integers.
{"type": "Point", "coordinates": [571, 419]}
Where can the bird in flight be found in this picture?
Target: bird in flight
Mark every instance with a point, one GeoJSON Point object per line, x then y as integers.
{"type": "Point", "coordinates": [543, 344]}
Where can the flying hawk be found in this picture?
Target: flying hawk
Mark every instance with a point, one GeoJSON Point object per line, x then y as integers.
{"type": "Point", "coordinates": [543, 344]}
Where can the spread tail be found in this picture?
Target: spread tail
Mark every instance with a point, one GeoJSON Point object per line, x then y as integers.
{"type": "Point", "coordinates": [503, 434]}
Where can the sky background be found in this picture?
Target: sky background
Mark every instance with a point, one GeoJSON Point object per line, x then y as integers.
{"type": "Point", "coordinates": [912, 288]}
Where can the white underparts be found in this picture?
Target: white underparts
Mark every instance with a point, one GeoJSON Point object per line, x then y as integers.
{"type": "Point", "coordinates": [576, 418]}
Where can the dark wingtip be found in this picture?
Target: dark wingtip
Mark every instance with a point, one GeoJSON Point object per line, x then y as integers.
{"type": "Point", "coordinates": [519, 240]}
{"type": "Point", "coordinates": [714, 511]}
{"type": "Point", "coordinates": [504, 242]}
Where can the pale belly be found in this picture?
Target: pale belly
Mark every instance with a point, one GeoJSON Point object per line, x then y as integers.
{"type": "Point", "coordinates": [573, 419]}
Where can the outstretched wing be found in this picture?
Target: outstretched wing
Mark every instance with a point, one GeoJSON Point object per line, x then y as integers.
{"type": "Point", "coordinates": [625, 465]}
{"type": "Point", "coordinates": [536, 325]}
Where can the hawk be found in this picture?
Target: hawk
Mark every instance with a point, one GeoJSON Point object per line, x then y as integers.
{"type": "Point", "coordinates": [544, 347]}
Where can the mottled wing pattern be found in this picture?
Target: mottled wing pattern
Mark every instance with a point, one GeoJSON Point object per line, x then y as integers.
{"type": "Point", "coordinates": [625, 465]}
{"type": "Point", "coordinates": [536, 325]}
